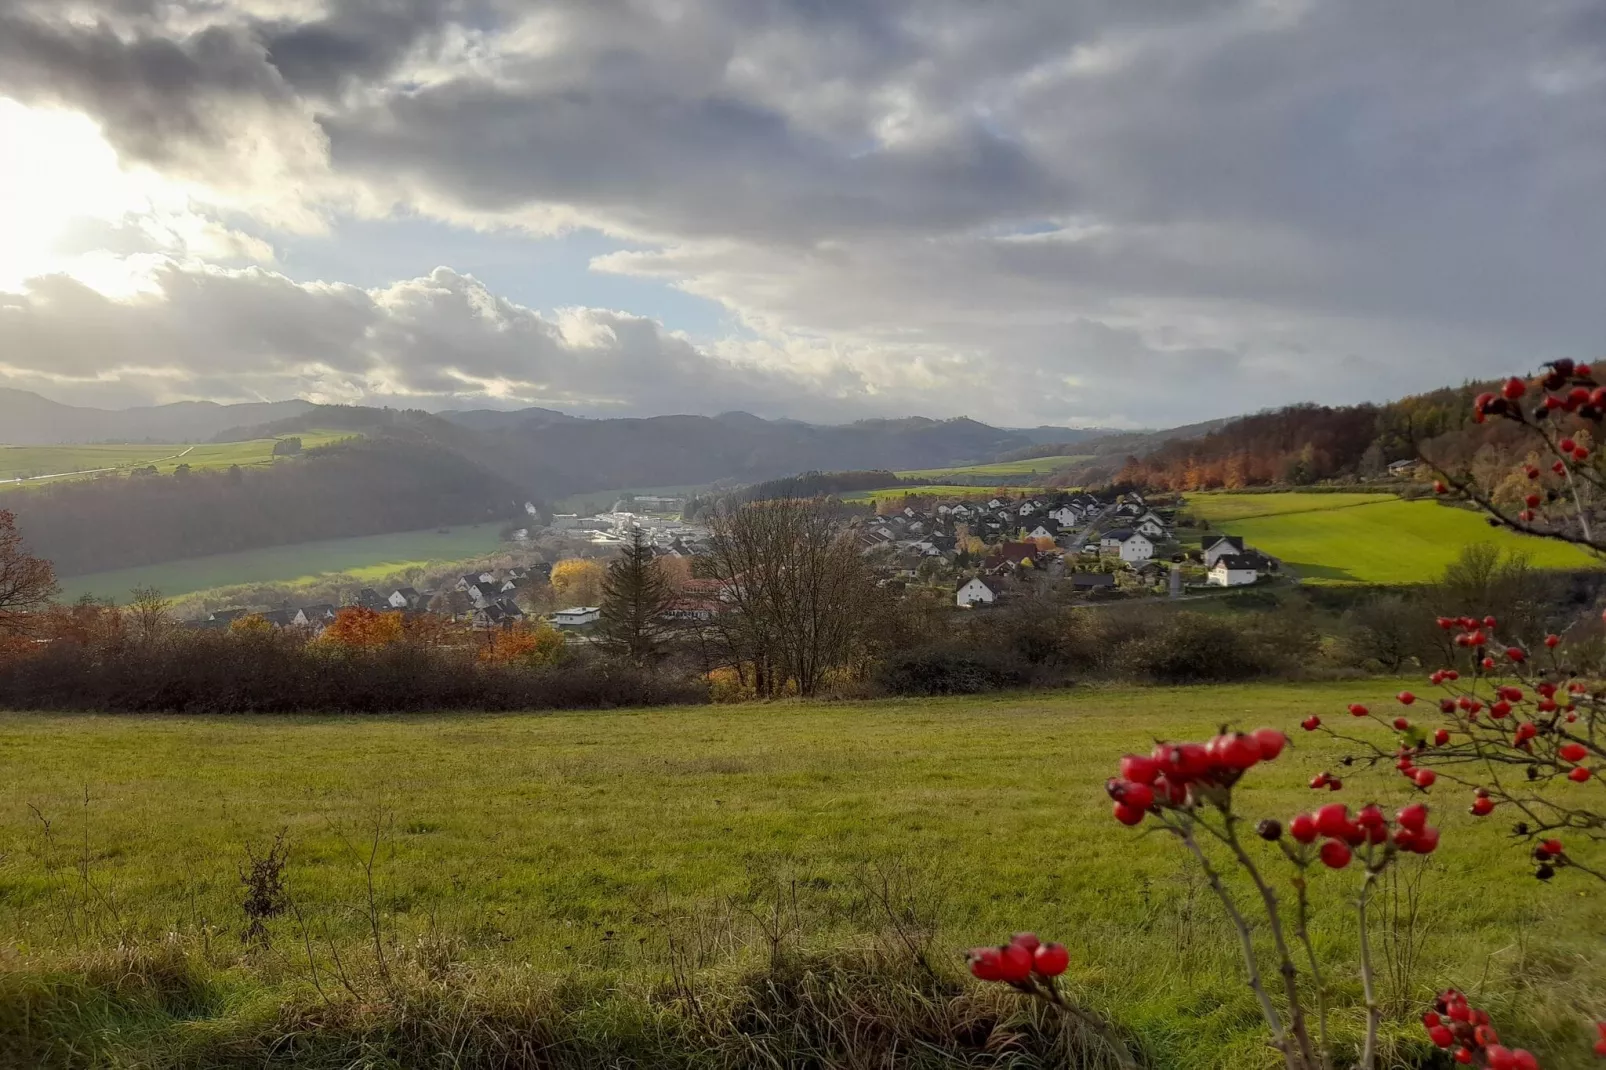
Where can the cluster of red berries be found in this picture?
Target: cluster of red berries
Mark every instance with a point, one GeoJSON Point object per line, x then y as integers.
{"type": "Point", "coordinates": [1454, 1023]}
{"type": "Point", "coordinates": [1548, 855]}
{"type": "Point", "coordinates": [1166, 775]}
{"type": "Point", "coordinates": [1567, 387]}
{"type": "Point", "coordinates": [1018, 962]}
{"type": "Point", "coordinates": [1341, 832]}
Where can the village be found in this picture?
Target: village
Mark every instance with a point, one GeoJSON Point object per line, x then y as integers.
{"type": "Point", "coordinates": [1076, 544]}
{"type": "Point", "coordinates": [1071, 545]}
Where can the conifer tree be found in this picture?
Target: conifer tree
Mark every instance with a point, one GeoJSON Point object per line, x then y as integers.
{"type": "Point", "coordinates": [636, 599]}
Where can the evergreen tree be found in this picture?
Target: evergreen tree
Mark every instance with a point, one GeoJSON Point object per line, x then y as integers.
{"type": "Point", "coordinates": [636, 598]}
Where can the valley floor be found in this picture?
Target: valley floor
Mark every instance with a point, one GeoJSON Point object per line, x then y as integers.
{"type": "Point", "coordinates": [584, 849]}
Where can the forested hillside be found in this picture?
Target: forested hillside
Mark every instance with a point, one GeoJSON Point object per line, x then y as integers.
{"type": "Point", "coordinates": [365, 487]}
{"type": "Point", "coordinates": [1304, 444]}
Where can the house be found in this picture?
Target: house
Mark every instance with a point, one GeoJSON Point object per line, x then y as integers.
{"type": "Point", "coordinates": [1150, 527]}
{"type": "Point", "coordinates": [280, 618]}
{"type": "Point", "coordinates": [1065, 515]}
{"type": "Point", "coordinates": [368, 598]}
{"type": "Point", "coordinates": [1111, 540]}
{"type": "Point", "coordinates": [1402, 468]}
{"type": "Point", "coordinates": [497, 614]}
{"type": "Point", "coordinates": [1009, 555]}
{"type": "Point", "coordinates": [1091, 581]}
{"type": "Point", "coordinates": [407, 598]}
{"type": "Point", "coordinates": [577, 617]}
{"type": "Point", "coordinates": [1234, 570]}
{"type": "Point", "coordinates": [318, 616]}
{"type": "Point", "coordinates": [974, 591]}
{"type": "Point", "coordinates": [1046, 529]}
{"type": "Point", "coordinates": [1131, 545]}
{"type": "Point", "coordinates": [1218, 546]}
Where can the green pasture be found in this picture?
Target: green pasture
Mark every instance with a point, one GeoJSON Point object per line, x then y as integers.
{"type": "Point", "coordinates": [1036, 466]}
{"type": "Point", "coordinates": [1360, 538]}
{"type": "Point", "coordinates": [368, 557]}
{"type": "Point", "coordinates": [934, 490]}
{"type": "Point", "coordinates": [39, 464]}
{"type": "Point", "coordinates": [579, 847]}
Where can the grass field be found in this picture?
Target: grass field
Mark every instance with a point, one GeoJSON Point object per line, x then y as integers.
{"type": "Point", "coordinates": [1363, 538]}
{"type": "Point", "coordinates": [1036, 466]}
{"type": "Point", "coordinates": [368, 557]}
{"type": "Point", "coordinates": [30, 463]}
{"type": "Point", "coordinates": [569, 845]}
{"type": "Point", "coordinates": [939, 490]}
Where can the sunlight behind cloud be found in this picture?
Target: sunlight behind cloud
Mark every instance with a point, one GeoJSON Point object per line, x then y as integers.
{"type": "Point", "coordinates": [59, 171]}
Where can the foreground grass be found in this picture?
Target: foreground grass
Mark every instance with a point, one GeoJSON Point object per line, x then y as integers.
{"type": "Point", "coordinates": [1345, 538]}
{"type": "Point", "coordinates": [598, 854]}
{"type": "Point", "coordinates": [365, 558]}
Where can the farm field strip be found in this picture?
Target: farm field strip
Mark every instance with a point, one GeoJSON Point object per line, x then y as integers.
{"type": "Point", "coordinates": [23, 465]}
{"type": "Point", "coordinates": [550, 841]}
{"type": "Point", "coordinates": [955, 490]}
{"type": "Point", "coordinates": [1031, 467]}
{"type": "Point", "coordinates": [1217, 506]}
{"type": "Point", "coordinates": [367, 558]}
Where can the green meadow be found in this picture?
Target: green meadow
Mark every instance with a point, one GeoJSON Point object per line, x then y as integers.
{"type": "Point", "coordinates": [488, 856]}
{"type": "Point", "coordinates": [938, 490]}
{"type": "Point", "coordinates": [1035, 466]}
{"type": "Point", "coordinates": [1368, 538]}
{"type": "Point", "coordinates": [368, 557]}
{"type": "Point", "coordinates": [30, 462]}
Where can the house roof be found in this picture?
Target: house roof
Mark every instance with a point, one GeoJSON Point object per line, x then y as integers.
{"type": "Point", "coordinates": [1232, 540]}
{"type": "Point", "coordinates": [1249, 562]}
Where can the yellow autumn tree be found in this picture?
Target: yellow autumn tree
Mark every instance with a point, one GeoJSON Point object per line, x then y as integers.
{"type": "Point", "coordinates": [578, 582]}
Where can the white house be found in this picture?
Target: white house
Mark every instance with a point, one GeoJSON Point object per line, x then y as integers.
{"type": "Point", "coordinates": [577, 617]}
{"type": "Point", "coordinates": [1219, 546]}
{"type": "Point", "coordinates": [1150, 527]}
{"type": "Point", "coordinates": [1234, 570]}
{"type": "Point", "coordinates": [1136, 547]}
{"type": "Point", "coordinates": [1041, 532]}
{"type": "Point", "coordinates": [974, 591]}
{"type": "Point", "coordinates": [1065, 515]}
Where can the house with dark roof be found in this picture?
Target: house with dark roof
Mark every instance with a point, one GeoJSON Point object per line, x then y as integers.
{"type": "Point", "coordinates": [1218, 546]}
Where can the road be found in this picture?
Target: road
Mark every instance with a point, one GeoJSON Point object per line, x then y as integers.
{"type": "Point", "coordinates": [96, 471]}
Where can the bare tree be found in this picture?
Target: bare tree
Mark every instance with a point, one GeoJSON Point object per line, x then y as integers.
{"type": "Point", "coordinates": [27, 583]}
{"type": "Point", "coordinates": [797, 590]}
{"type": "Point", "coordinates": [150, 615]}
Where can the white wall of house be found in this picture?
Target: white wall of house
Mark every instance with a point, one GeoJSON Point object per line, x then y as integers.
{"type": "Point", "coordinates": [974, 592]}
{"type": "Point", "coordinates": [1222, 576]}
{"type": "Point", "coordinates": [576, 617]}
{"type": "Point", "coordinates": [1137, 548]}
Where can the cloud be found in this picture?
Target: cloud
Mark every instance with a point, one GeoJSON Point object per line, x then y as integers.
{"type": "Point", "coordinates": [441, 340]}
{"type": "Point", "coordinates": [1084, 210]}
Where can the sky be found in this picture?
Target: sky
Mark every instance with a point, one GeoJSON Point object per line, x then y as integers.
{"type": "Point", "coordinates": [1076, 212]}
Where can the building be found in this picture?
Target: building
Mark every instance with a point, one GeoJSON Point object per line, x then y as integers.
{"type": "Point", "coordinates": [1234, 570]}
{"type": "Point", "coordinates": [577, 617]}
{"type": "Point", "coordinates": [974, 591]}
{"type": "Point", "coordinates": [1218, 546]}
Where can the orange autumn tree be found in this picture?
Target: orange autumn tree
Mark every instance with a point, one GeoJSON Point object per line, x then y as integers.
{"type": "Point", "coordinates": [523, 644]}
{"type": "Point", "coordinates": [359, 628]}
{"type": "Point", "coordinates": [27, 583]}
